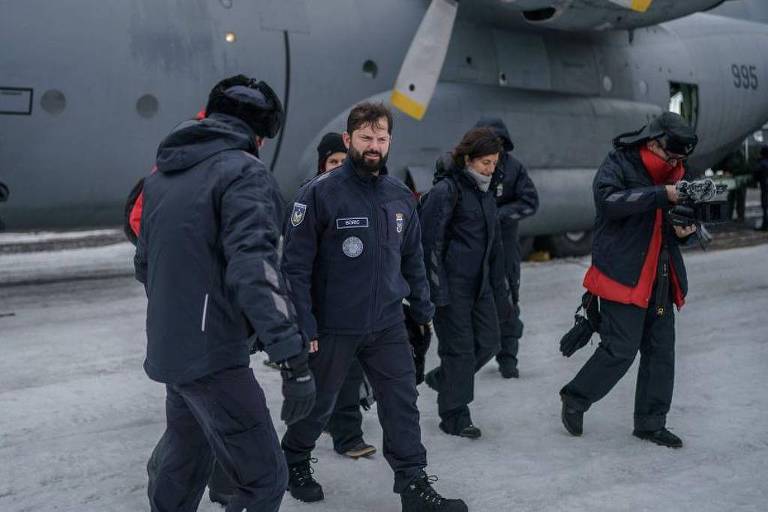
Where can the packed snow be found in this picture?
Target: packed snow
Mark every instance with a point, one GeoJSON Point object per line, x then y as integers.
{"type": "Point", "coordinates": [78, 417]}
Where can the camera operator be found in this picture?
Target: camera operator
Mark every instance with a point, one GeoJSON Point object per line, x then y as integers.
{"type": "Point", "coordinates": [637, 272]}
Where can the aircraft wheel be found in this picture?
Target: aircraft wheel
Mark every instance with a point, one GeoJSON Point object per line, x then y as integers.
{"type": "Point", "coordinates": [573, 243]}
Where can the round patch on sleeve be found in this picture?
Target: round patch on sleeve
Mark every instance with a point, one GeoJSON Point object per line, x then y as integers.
{"type": "Point", "coordinates": [352, 247]}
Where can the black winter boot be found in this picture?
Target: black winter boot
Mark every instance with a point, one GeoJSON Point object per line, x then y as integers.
{"type": "Point", "coordinates": [662, 437]}
{"type": "Point", "coordinates": [573, 420]}
{"type": "Point", "coordinates": [420, 496]}
{"type": "Point", "coordinates": [508, 370]}
{"type": "Point", "coordinates": [301, 485]}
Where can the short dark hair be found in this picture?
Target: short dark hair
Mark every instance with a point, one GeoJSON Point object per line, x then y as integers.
{"type": "Point", "coordinates": [476, 142]}
{"type": "Point", "coordinates": [368, 113]}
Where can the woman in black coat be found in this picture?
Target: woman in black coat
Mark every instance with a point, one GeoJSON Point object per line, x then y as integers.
{"type": "Point", "coordinates": [464, 260]}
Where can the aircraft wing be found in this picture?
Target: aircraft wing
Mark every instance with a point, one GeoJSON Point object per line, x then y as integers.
{"type": "Point", "coordinates": [583, 15]}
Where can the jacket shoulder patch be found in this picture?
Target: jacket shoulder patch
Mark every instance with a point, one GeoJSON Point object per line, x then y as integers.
{"type": "Point", "coordinates": [298, 214]}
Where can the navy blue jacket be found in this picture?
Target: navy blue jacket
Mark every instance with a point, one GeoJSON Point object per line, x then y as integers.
{"type": "Point", "coordinates": [516, 198]}
{"type": "Point", "coordinates": [353, 253]}
{"type": "Point", "coordinates": [626, 200]}
{"type": "Point", "coordinates": [207, 254]}
{"type": "Point", "coordinates": [461, 236]}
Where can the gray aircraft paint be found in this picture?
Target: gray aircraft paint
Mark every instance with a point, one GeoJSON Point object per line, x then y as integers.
{"type": "Point", "coordinates": [563, 94]}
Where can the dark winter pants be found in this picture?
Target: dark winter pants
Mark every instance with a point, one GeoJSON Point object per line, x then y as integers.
{"type": "Point", "coordinates": [511, 328]}
{"type": "Point", "coordinates": [345, 424]}
{"type": "Point", "coordinates": [386, 358]}
{"type": "Point", "coordinates": [468, 337]}
{"type": "Point", "coordinates": [223, 415]}
{"type": "Point", "coordinates": [511, 332]}
{"type": "Point", "coordinates": [624, 330]}
{"type": "Point", "coordinates": [764, 204]}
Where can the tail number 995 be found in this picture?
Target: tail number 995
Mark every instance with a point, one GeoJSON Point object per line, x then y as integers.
{"type": "Point", "coordinates": [744, 77]}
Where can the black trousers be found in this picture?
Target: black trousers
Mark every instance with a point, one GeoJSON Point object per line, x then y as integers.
{"type": "Point", "coordinates": [387, 360]}
{"type": "Point", "coordinates": [624, 330]}
{"type": "Point", "coordinates": [346, 423]}
{"type": "Point", "coordinates": [468, 337]}
{"type": "Point", "coordinates": [511, 328]}
{"type": "Point", "coordinates": [764, 203]}
{"type": "Point", "coordinates": [223, 415]}
{"type": "Point", "coordinates": [511, 332]}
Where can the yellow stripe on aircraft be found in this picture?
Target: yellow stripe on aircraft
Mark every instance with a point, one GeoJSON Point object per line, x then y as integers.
{"type": "Point", "coordinates": [407, 105]}
{"type": "Point", "coordinates": [641, 5]}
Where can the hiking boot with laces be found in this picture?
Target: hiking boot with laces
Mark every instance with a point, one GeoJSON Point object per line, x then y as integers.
{"type": "Point", "coordinates": [420, 496]}
{"type": "Point", "coordinates": [301, 485]}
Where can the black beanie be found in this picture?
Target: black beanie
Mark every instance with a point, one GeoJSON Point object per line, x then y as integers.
{"type": "Point", "coordinates": [330, 143]}
{"type": "Point", "coordinates": [253, 102]}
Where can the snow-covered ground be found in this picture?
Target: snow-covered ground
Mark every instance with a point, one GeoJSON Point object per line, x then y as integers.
{"type": "Point", "coordinates": [78, 417]}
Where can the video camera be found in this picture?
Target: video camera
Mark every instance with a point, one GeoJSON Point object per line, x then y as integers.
{"type": "Point", "coordinates": [699, 202]}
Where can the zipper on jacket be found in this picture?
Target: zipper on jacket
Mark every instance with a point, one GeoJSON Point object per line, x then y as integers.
{"type": "Point", "coordinates": [377, 215]}
{"type": "Point", "coordinates": [205, 313]}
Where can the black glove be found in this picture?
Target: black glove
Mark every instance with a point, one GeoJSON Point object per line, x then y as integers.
{"type": "Point", "coordinates": [298, 389]}
{"type": "Point", "coordinates": [420, 337]}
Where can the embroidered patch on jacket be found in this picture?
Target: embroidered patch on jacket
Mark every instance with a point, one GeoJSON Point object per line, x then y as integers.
{"type": "Point", "coordinates": [352, 247]}
{"type": "Point", "coordinates": [352, 222]}
{"type": "Point", "coordinates": [399, 222]}
{"type": "Point", "coordinates": [297, 215]}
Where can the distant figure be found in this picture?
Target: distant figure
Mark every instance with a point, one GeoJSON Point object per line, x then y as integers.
{"type": "Point", "coordinates": [638, 273]}
{"type": "Point", "coordinates": [207, 256]}
{"type": "Point", "coordinates": [517, 199]}
{"type": "Point", "coordinates": [761, 178]}
{"type": "Point", "coordinates": [464, 257]}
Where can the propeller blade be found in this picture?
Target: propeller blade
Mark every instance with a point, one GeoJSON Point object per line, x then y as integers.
{"type": "Point", "coordinates": [421, 68]}
{"type": "Point", "coordinates": [635, 5]}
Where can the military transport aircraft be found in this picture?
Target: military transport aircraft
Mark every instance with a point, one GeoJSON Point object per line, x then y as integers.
{"type": "Point", "coordinates": [88, 88]}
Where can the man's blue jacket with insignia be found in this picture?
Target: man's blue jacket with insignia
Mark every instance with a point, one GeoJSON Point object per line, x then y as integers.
{"type": "Point", "coordinates": [353, 253]}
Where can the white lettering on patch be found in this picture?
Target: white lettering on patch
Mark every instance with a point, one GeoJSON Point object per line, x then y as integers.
{"type": "Point", "coordinates": [352, 222]}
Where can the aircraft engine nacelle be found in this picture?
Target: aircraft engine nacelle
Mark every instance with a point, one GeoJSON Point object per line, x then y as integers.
{"type": "Point", "coordinates": [586, 15]}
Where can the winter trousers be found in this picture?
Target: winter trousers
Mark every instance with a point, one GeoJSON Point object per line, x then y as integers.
{"type": "Point", "coordinates": [387, 360]}
{"type": "Point", "coordinates": [624, 330]}
{"type": "Point", "coordinates": [223, 415]}
{"type": "Point", "coordinates": [346, 423]}
{"type": "Point", "coordinates": [468, 337]}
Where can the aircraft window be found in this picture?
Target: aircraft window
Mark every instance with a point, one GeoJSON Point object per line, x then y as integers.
{"type": "Point", "coordinates": [53, 101]}
{"type": "Point", "coordinates": [147, 106]}
{"type": "Point", "coordinates": [370, 69]}
{"type": "Point", "coordinates": [227, 4]}
{"type": "Point", "coordinates": [684, 100]}
{"type": "Point", "coordinates": [230, 37]}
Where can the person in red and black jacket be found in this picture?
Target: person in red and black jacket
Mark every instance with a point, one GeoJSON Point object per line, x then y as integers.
{"type": "Point", "coordinates": [638, 273]}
